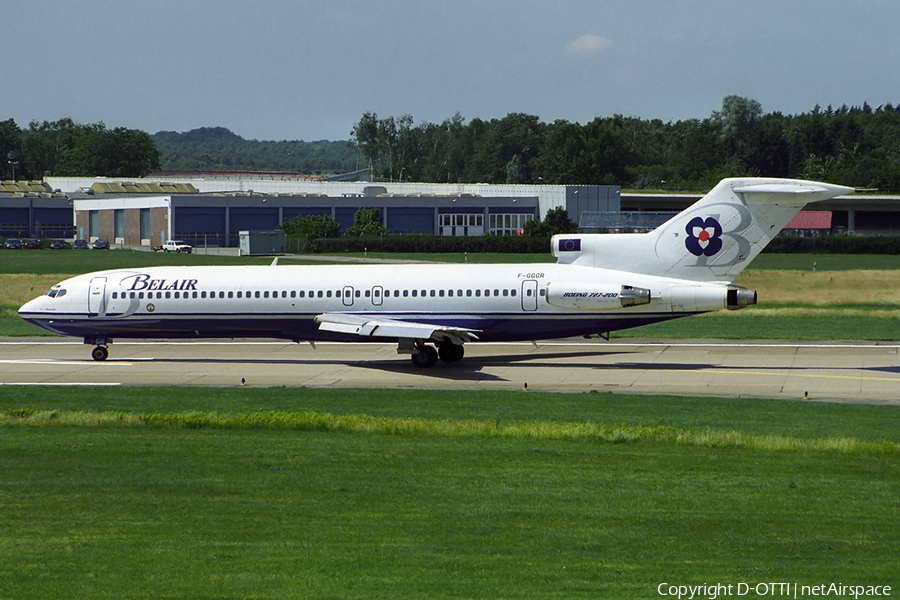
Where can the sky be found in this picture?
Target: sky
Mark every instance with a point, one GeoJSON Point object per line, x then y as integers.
{"type": "Point", "coordinates": [309, 69]}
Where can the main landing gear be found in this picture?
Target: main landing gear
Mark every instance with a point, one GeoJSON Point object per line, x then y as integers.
{"type": "Point", "coordinates": [424, 356]}
{"type": "Point", "coordinates": [100, 351]}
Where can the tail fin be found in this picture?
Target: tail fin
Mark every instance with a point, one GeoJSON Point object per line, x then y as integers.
{"type": "Point", "coordinates": [712, 240]}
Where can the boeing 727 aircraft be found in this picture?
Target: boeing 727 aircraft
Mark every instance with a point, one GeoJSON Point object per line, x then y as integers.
{"type": "Point", "coordinates": [599, 284]}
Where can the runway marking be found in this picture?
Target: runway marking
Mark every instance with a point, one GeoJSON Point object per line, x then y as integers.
{"type": "Point", "coordinates": [74, 383]}
{"type": "Point", "coordinates": [801, 375]}
{"type": "Point", "coordinates": [597, 344]}
{"type": "Point", "coordinates": [51, 361]}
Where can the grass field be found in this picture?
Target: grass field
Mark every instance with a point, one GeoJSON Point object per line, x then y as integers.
{"type": "Point", "coordinates": [304, 493]}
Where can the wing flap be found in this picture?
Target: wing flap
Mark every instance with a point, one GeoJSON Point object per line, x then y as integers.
{"type": "Point", "coordinates": [365, 326]}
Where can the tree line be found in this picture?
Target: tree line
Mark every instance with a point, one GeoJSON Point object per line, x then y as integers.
{"type": "Point", "coordinates": [855, 146]}
{"type": "Point", "coordinates": [67, 148]}
{"type": "Point", "coordinates": [219, 149]}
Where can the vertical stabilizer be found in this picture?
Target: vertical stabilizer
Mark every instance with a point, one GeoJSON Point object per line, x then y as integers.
{"type": "Point", "coordinates": [712, 240]}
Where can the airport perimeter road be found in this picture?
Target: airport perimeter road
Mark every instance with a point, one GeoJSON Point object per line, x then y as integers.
{"type": "Point", "coordinates": [828, 371]}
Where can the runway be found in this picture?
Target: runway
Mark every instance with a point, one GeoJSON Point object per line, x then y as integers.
{"type": "Point", "coordinates": [864, 372]}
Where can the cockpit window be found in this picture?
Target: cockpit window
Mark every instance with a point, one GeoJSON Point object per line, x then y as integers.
{"type": "Point", "coordinates": [56, 292]}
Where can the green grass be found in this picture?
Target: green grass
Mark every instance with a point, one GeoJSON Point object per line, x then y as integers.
{"type": "Point", "coordinates": [826, 262]}
{"type": "Point", "coordinates": [72, 262]}
{"type": "Point", "coordinates": [135, 508]}
{"type": "Point", "coordinates": [76, 262]}
{"type": "Point", "coordinates": [760, 324]}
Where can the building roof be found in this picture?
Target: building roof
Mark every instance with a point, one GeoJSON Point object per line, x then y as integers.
{"type": "Point", "coordinates": [810, 219]}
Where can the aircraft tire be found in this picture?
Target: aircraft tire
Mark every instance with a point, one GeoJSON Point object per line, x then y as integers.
{"type": "Point", "coordinates": [100, 353]}
{"type": "Point", "coordinates": [450, 352]}
{"type": "Point", "coordinates": [426, 357]}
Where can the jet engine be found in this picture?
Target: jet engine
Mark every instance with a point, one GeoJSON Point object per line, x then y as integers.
{"type": "Point", "coordinates": [595, 297]}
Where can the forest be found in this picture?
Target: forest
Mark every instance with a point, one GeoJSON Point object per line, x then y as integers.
{"type": "Point", "coordinates": [855, 146]}
{"type": "Point", "coordinates": [858, 146]}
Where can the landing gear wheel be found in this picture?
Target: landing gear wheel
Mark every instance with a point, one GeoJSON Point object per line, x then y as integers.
{"type": "Point", "coordinates": [426, 357]}
{"type": "Point", "coordinates": [100, 353]}
{"type": "Point", "coordinates": [450, 352]}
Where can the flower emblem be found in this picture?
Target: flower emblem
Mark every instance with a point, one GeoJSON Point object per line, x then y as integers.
{"type": "Point", "coordinates": [704, 237]}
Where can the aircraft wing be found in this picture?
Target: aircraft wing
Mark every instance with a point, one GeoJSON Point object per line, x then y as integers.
{"type": "Point", "coordinates": [374, 326]}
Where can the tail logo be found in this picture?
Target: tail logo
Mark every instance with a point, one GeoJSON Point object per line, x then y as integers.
{"type": "Point", "coordinates": [704, 236]}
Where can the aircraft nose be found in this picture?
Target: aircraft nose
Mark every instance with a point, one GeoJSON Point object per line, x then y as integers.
{"type": "Point", "coordinates": [32, 306]}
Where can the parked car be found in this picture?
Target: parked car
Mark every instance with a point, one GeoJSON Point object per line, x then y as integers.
{"type": "Point", "coordinates": [14, 243]}
{"type": "Point", "coordinates": [34, 244]}
{"type": "Point", "coordinates": [100, 244]}
{"type": "Point", "coordinates": [79, 245]}
{"type": "Point", "coordinates": [58, 244]}
{"type": "Point", "coordinates": [176, 246]}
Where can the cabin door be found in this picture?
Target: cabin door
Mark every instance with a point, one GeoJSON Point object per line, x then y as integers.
{"type": "Point", "coordinates": [529, 294]}
{"type": "Point", "coordinates": [97, 296]}
{"type": "Point", "coordinates": [377, 291]}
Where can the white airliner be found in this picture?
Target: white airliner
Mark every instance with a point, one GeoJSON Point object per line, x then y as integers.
{"type": "Point", "coordinates": [600, 283]}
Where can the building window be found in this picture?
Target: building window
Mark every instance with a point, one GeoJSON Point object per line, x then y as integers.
{"type": "Point", "coordinates": [508, 224]}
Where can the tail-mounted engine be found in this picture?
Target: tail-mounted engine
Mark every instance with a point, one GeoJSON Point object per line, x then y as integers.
{"type": "Point", "coordinates": [596, 297]}
{"type": "Point", "coordinates": [739, 297]}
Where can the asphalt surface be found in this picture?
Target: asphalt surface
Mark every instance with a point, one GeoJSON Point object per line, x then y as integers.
{"type": "Point", "coordinates": [864, 372]}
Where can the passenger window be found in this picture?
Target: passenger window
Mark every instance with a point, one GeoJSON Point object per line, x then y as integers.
{"type": "Point", "coordinates": [293, 294]}
{"type": "Point", "coordinates": [265, 294]}
{"type": "Point", "coordinates": [141, 295]}
{"type": "Point", "coordinates": [478, 293]}
{"type": "Point", "coordinates": [328, 294]}
{"type": "Point", "coordinates": [176, 295]}
{"type": "Point", "coordinates": [441, 293]}
{"type": "Point", "coordinates": [367, 293]}
{"type": "Point", "coordinates": [194, 295]}
{"type": "Point", "coordinates": [468, 293]}
{"type": "Point", "coordinates": [459, 292]}
{"type": "Point", "coordinates": [432, 293]}
{"type": "Point", "coordinates": [221, 294]}
{"type": "Point", "coordinates": [415, 293]}
{"type": "Point", "coordinates": [496, 292]}
{"type": "Point", "coordinates": [231, 294]}
{"type": "Point", "coordinates": [168, 295]}
{"type": "Point", "coordinates": [405, 293]}
{"type": "Point", "coordinates": [133, 295]}
{"type": "Point", "coordinates": [319, 293]}
{"type": "Point", "coordinates": [396, 293]}
{"type": "Point", "coordinates": [256, 294]}
{"type": "Point", "coordinates": [52, 294]}
{"type": "Point", "coordinates": [512, 292]}
{"type": "Point", "coordinates": [283, 294]}
{"type": "Point", "coordinates": [203, 294]}
{"type": "Point", "coordinates": [542, 291]}
{"type": "Point", "coordinates": [301, 294]}
{"type": "Point", "coordinates": [505, 292]}
{"type": "Point", "coordinates": [356, 293]}
{"type": "Point", "coordinates": [239, 294]}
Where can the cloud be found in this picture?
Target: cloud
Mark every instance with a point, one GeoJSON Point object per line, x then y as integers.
{"type": "Point", "coordinates": [588, 45]}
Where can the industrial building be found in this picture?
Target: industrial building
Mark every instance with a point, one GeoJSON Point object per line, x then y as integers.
{"type": "Point", "coordinates": [213, 212]}
{"type": "Point", "coordinates": [211, 209]}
